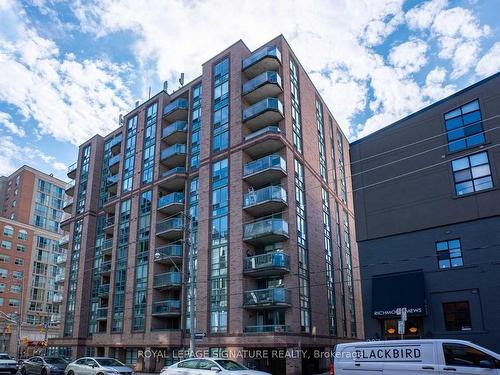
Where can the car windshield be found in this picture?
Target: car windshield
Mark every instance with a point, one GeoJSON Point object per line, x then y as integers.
{"type": "Point", "coordinates": [55, 361]}
{"type": "Point", "coordinates": [109, 362]}
{"type": "Point", "coordinates": [227, 364]}
{"type": "Point", "coordinates": [4, 356]}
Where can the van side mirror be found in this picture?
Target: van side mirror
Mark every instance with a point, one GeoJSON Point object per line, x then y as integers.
{"type": "Point", "coordinates": [486, 364]}
{"type": "Point", "coordinates": [215, 368]}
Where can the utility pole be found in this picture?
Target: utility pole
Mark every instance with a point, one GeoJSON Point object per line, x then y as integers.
{"type": "Point", "coordinates": [4, 337]}
{"type": "Point", "coordinates": [46, 329]}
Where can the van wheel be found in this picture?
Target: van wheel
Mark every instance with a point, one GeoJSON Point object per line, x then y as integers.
{"type": "Point", "coordinates": [70, 372]}
{"type": "Point", "coordinates": [44, 372]}
{"type": "Point", "coordinates": [100, 373]}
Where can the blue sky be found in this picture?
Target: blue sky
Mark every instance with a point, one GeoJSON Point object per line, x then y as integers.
{"type": "Point", "coordinates": [69, 68]}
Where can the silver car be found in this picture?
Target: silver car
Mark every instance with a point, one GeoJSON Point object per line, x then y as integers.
{"type": "Point", "coordinates": [98, 366]}
{"type": "Point", "coordinates": [209, 366]}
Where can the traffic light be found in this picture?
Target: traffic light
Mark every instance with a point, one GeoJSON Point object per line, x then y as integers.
{"type": "Point", "coordinates": [8, 329]}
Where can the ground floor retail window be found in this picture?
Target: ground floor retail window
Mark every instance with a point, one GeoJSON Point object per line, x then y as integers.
{"type": "Point", "coordinates": [457, 316]}
{"type": "Point", "coordinates": [413, 329]}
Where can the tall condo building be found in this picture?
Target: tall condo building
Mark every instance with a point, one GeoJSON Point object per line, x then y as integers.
{"type": "Point", "coordinates": [32, 253]}
{"type": "Point", "coordinates": [246, 167]}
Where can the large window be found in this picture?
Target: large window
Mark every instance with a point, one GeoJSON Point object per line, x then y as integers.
{"type": "Point", "coordinates": [464, 128]}
{"type": "Point", "coordinates": [449, 254]}
{"type": "Point", "coordinates": [220, 129]}
{"type": "Point", "coordinates": [149, 144]}
{"type": "Point", "coordinates": [8, 231]}
{"type": "Point", "coordinates": [457, 316]}
{"type": "Point", "coordinates": [472, 173]}
{"type": "Point", "coordinates": [466, 356]}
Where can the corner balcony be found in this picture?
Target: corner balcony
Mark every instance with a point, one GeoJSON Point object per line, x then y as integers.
{"type": "Point", "coordinates": [65, 223]}
{"type": "Point", "coordinates": [168, 254]}
{"type": "Point", "coordinates": [269, 328]}
{"type": "Point", "coordinates": [176, 110]}
{"type": "Point", "coordinates": [109, 225]}
{"type": "Point", "coordinates": [267, 84]}
{"type": "Point", "coordinates": [266, 112]}
{"type": "Point", "coordinates": [174, 133]}
{"type": "Point", "coordinates": [265, 232]}
{"type": "Point", "coordinates": [168, 280]}
{"type": "Point", "coordinates": [68, 206]}
{"type": "Point", "coordinates": [168, 308]}
{"type": "Point", "coordinates": [60, 278]}
{"type": "Point", "coordinates": [264, 141]}
{"type": "Point", "coordinates": [55, 318]}
{"type": "Point", "coordinates": [69, 189]}
{"type": "Point", "coordinates": [275, 263]}
{"type": "Point", "coordinates": [116, 144]}
{"type": "Point", "coordinates": [171, 203]}
{"type": "Point", "coordinates": [105, 268]}
{"type": "Point", "coordinates": [266, 170]}
{"type": "Point", "coordinates": [103, 291]}
{"type": "Point", "coordinates": [61, 259]}
{"type": "Point", "coordinates": [102, 313]}
{"type": "Point", "coordinates": [72, 170]}
{"type": "Point", "coordinates": [112, 184]}
{"type": "Point", "coordinates": [267, 298]}
{"type": "Point", "coordinates": [64, 242]}
{"type": "Point", "coordinates": [114, 164]}
{"type": "Point", "coordinates": [267, 58]}
{"type": "Point", "coordinates": [170, 229]}
{"type": "Point", "coordinates": [57, 298]}
{"type": "Point", "coordinates": [173, 179]}
{"type": "Point", "coordinates": [107, 246]}
{"type": "Point", "coordinates": [265, 201]}
{"type": "Point", "coordinates": [174, 156]}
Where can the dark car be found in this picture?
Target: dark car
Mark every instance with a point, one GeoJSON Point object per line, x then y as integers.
{"type": "Point", "coordinates": [44, 366]}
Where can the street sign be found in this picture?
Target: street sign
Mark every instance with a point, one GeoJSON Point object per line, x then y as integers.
{"type": "Point", "coordinates": [404, 314]}
{"type": "Point", "coordinates": [401, 327]}
{"type": "Point", "coordinates": [199, 335]}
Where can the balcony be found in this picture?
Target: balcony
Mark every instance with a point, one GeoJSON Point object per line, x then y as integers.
{"type": "Point", "coordinates": [107, 246]}
{"type": "Point", "coordinates": [72, 170]}
{"type": "Point", "coordinates": [61, 259]}
{"type": "Point", "coordinates": [171, 203]}
{"type": "Point", "coordinates": [267, 58]}
{"type": "Point", "coordinates": [109, 225]}
{"type": "Point", "coordinates": [173, 179]}
{"type": "Point", "coordinates": [270, 328]}
{"type": "Point", "coordinates": [275, 263]}
{"type": "Point", "coordinates": [267, 298]}
{"type": "Point", "coordinates": [168, 254]}
{"type": "Point", "coordinates": [102, 313]}
{"type": "Point", "coordinates": [265, 201]}
{"type": "Point", "coordinates": [266, 231]}
{"type": "Point", "coordinates": [68, 206]}
{"type": "Point", "coordinates": [171, 229]}
{"type": "Point", "coordinates": [267, 84]}
{"type": "Point", "coordinates": [64, 242]}
{"type": "Point", "coordinates": [264, 141]}
{"type": "Point", "coordinates": [266, 170]}
{"type": "Point", "coordinates": [103, 290]}
{"type": "Point", "coordinates": [60, 278]}
{"type": "Point", "coordinates": [55, 318]}
{"type": "Point", "coordinates": [116, 144]}
{"type": "Point", "coordinates": [69, 189]}
{"type": "Point", "coordinates": [261, 114]}
{"type": "Point", "coordinates": [65, 223]}
{"type": "Point", "coordinates": [114, 164]}
{"type": "Point", "coordinates": [168, 280]}
{"type": "Point", "coordinates": [174, 133]}
{"type": "Point", "coordinates": [174, 156]}
{"type": "Point", "coordinates": [176, 110]}
{"type": "Point", "coordinates": [167, 308]}
{"type": "Point", "coordinates": [112, 184]}
{"type": "Point", "coordinates": [57, 298]}
{"type": "Point", "coordinates": [105, 268]}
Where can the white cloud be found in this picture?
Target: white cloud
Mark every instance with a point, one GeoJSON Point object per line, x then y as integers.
{"type": "Point", "coordinates": [6, 121]}
{"type": "Point", "coordinates": [409, 56]}
{"type": "Point", "coordinates": [69, 99]}
{"type": "Point", "coordinates": [422, 16]}
{"type": "Point", "coordinates": [435, 88]}
{"type": "Point", "coordinates": [490, 63]}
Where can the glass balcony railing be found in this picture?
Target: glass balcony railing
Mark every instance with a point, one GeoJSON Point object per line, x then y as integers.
{"type": "Point", "coordinates": [116, 141]}
{"type": "Point", "coordinates": [175, 223]}
{"type": "Point", "coordinates": [272, 227]}
{"type": "Point", "coordinates": [269, 193]}
{"type": "Point", "coordinates": [103, 289]}
{"type": "Point", "coordinates": [261, 80]}
{"type": "Point", "coordinates": [177, 126]}
{"type": "Point", "coordinates": [272, 129]}
{"type": "Point", "coordinates": [72, 167]}
{"type": "Point", "coordinates": [173, 150]}
{"type": "Point", "coordinates": [102, 313]}
{"type": "Point", "coordinates": [114, 160]}
{"type": "Point", "coordinates": [57, 298]}
{"type": "Point", "coordinates": [109, 222]}
{"type": "Point", "coordinates": [173, 171]}
{"type": "Point", "coordinates": [172, 198]}
{"type": "Point", "coordinates": [179, 103]}
{"type": "Point", "coordinates": [167, 280]}
{"type": "Point", "coordinates": [64, 241]}
{"type": "Point", "coordinates": [268, 104]}
{"type": "Point", "coordinates": [168, 252]}
{"type": "Point", "coordinates": [60, 278]}
{"type": "Point", "coordinates": [112, 180]}
{"type": "Point", "coordinates": [167, 307]}
{"type": "Point", "coordinates": [267, 297]}
{"type": "Point", "coordinates": [261, 54]}
{"type": "Point", "coordinates": [61, 259]}
{"type": "Point", "coordinates": [269, 328]}
{"type": "Point", "coordinates": [274, 161]}
{"type": "Point", "coordinates": [273, 260]}
{"type": "Point", "coordinates": [55, 318]}
{"type": "Point", "coordinates": [105, 267]}
{"type": "Point", "coordinates": [69, 186]}
{"type": "Point", "coordinates": [107, 245]}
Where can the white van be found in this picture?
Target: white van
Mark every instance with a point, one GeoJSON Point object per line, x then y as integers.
{"type": "Point", "coordinates": [401, 357]}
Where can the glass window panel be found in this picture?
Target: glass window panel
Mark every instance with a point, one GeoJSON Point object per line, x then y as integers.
{"type": "Point", "coordinates": [457, 145]}
{"type": "Point", "coordinates": [483, 183]}
{"type": "Point", "coordinates": [475, 140]}
{"type": "Point", "coordinates": [444, 264]}
{"type": "Point", "coordinates": [454, 244]}
{"type": "Point", "coordinates": [461, 176]}
{"type": "Point", "coordinates": [457, 262]}
{"type": "Point", "coordinates": [452, 114]}
{"type": "Point", "coordinates": [471, 117]}
{"type": "Point", "coordinates": [456, 134]}
{"type": "Point", "coordinates": [473, 129]}
{"type": "Point", "coordinates": [480, 171]}
{"type": "Point", "coordinates": [464, 188]}
{"type": "Point", "coordinates": [472, 106]}
{"type": "Point", "coordinates": [454, 123]}
{"type": "Point", "coordinates": [440, 246]}
{"type": "Point", "coordinates": [460, 164]}
{"type": "Point", "coordinates": [478, 159]}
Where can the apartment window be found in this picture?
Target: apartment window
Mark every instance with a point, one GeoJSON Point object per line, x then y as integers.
{"type": "Point", "coordinates": [22, 235]}
{"type": "Point", "coordinates": [449, 254]}
{"type": "Point", "coordinates": [4, 273]}
{"type": "Point", "coordinates": [457, 316]}
{"type": "Point", "coordinates": [464, 128]}
{"type": "Point", "coordinates": [1, 301]}
{"type": "Point", "coordinates": [4, 258]}
{"type": "Point", "coordinates": [195, 127]}
{"type": "Point", "coordinates": [128, 164]}
{"type": "Point", "coordinates": [13, 302]}
{"type": "Point", "coordinates": [19, 261]}
{"type": "Point", "coordinates": [295, 99]}
{"type": "Point", "coordinates": [6, 244]}
{"type": "Point", "coordinates": [321, 141]}
{"type": "Point", "coordinates": [149, 144]}
{"type": "Point", "coordinates": [8, 231]}
{"type": "Point", "coordinates": [220, 120]}
{"type": "Point", "coordinates": [18, 275]}
{"type": "Point", "coordinates": [2, 287]}
{"type": "Point", "coordinates": [472, 173]}
{"type": "Point", "coordinates": [15, 288]}
{"type": "Point", "coordinates": [20, 248]}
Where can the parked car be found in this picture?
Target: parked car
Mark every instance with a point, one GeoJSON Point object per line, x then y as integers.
{"type": "Point", "coordinates": [40, 365]}
{"type": "Point", "coordinates": [209, 366]}
{"type": "Point", "coordinates": [437, 356]}
{"type": "Point", "coordinates": [7, 363]}
{"type": "Point", "coordinates": [97, 366]}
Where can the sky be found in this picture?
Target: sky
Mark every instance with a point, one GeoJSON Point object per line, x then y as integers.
{"type": "Point", "coordinates": [68, 69]}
